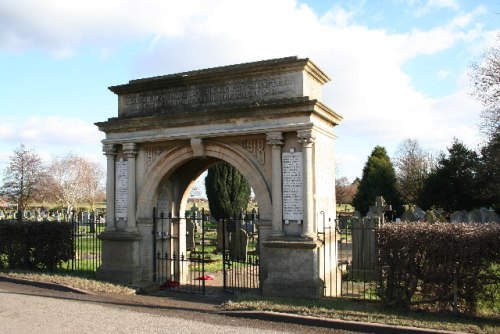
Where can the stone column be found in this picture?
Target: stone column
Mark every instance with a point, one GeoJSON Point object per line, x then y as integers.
{"type": "Point", "coordinates": [306, 138]}
{"type": "Point", "coordinates": [110, 153]}
{"type": "Point", "coordinates": [275, 140]}
{"type": "Point", "coordinates": [130, 149]}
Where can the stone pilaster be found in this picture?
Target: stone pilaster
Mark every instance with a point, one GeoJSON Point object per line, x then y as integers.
{"type": "Point", "coordinates": [109, 151]}
{"type": "Point", "coordinates": [306, 138]}
{"type": "Point", "coordinates": [275, 140]}
{"type": "Point", "coordinates": [130, 149]}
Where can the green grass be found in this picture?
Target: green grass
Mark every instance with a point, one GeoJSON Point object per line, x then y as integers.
{"type": "Point", "coordinates": [365, 311]}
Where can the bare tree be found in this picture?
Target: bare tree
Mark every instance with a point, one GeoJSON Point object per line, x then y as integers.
{"type": "Point", "coordinates": [345, 191]}
{"type": "Point", "coordinates": [23, 178]}
{"type": "Point", "coordinates": [76, 180]}
{"type": "Point", "coordinates": [485, 77]}
{"type": "Point", "coordinates": [412, 165]}
{"type": "Point", "coordinates": [92, 179]}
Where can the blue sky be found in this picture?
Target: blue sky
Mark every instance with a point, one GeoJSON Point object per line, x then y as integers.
{"type": "Point", "coordinates": [398, 68]}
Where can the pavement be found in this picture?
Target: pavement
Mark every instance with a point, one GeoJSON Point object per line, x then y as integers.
{"type": "Point", "coordinates": [167, 300]}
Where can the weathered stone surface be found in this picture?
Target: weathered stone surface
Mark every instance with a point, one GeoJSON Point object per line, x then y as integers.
{"type": "Point", "coordinates": [170, 129]}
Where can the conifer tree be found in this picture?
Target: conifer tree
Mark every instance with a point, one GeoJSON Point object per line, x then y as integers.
{"type": "Point", "coordinates": [379, 179]}
{"type": "Point", "coordinates": [227, 190]}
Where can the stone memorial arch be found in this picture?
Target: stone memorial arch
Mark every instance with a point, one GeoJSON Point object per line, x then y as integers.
{"type": "Point", "coordinates": [265, 118]}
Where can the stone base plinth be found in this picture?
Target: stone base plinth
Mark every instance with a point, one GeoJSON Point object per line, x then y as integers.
{"type": "Point", "coordinates": [292, 268]}
{"type": "Point", "coordinates": [120, 257]}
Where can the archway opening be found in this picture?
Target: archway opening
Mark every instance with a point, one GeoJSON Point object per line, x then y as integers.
{"type": "Point", "coordinates": [195, 251]}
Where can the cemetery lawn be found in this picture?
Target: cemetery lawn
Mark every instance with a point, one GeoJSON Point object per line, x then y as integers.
{"type": "Point", "coordinates": [335, 308]}
{"type": "Point", "coordinates": [367, 311]}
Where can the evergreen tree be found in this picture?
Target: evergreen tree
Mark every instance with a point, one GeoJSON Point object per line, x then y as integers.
{"type": "Point", "coordinates": [227, 190]}
{"type": "Point", "coordinates": [452, 186]}
{"type": "Point", "coordinates": [489, 173]}
{"type": "Point", "coordinates": [379, 179]}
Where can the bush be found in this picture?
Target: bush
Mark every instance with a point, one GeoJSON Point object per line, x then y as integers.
{"type": "Point", "coordinates": [35, 246]}
{"type": "Point", "coordinates": [422, 263]}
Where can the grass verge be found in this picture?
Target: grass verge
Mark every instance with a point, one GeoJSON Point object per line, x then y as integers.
{"type": "Point", "coordinates": [334, 308]}
{"type": "Point", "coordinates": [365, 311]}
{"type": "Point", "coordinates": [87, 284]}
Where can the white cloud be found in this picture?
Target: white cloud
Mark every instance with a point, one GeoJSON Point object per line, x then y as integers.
{"type": "Point", "coordinates": [443, 74]}
{"type": "Point", "coordinates": [432, 5]}
{"type": "Point", "coordinates": [56, 131]}
{"type": "Point", "coordinates": [49, 137]}
{"type": "Point", "coordinates": [369, 88]}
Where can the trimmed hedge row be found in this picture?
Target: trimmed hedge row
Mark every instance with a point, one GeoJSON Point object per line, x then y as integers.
{"type": "Point", "coordinates": [35, 245]}
{"type": "Point", "coordinates": [443, 265]}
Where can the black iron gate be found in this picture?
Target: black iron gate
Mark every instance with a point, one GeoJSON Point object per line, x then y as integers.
{"type": "Point", "coordinates": [197, 254]}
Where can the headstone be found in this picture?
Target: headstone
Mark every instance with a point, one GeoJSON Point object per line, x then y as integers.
{"type": "Point", "coordinates": [408, 216]}
{"type": "Point", "coordinates": [439, 213]}
{"type": "Point", "coordinates": [190, 231]}
{"type": "Point", "coordinates": [419, 213]}
{"type": "Point", "coordinates": [474, 216]}
{"type": "Point", "coordinates": [457, 217]}
{"type": "Point", "coordinates": [220, 235]}
{"type": "Point", "coordinates": [238, 245]}
{"type": "Point", "coordinates": [379, 209]}
{"type": "Point", "coordinates": [484, 214]}
{"type": "Point", "coordinates": [195, 213]}
{"type": "Point", "coordinates": [92, 222]}
{"type": "Point", "coordinates": [363, 247]}
{"type": "Point", "coordinates": [492, 217]}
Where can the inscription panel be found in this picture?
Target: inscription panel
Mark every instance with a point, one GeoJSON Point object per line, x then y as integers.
{"type": "Point", "coordinates": [234, 91]}
{"type": "Point", "coordinates": [121, 189]}
{"type": "Point", "coordinates": [256, 148]}
{"type": "Point", "coordinates": [292, 186]}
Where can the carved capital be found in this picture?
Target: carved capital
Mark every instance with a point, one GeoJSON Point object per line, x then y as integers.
{"type": "Point", "coordinates": [130, 149]}
{"type": "Point", "coordinates": [109, 150]}
{"type": "Point", "coordinates": [274, 138]}
{"type": "Point", "coordinates": [306, 137]}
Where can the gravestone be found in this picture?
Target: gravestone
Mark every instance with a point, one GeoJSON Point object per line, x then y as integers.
{"type": "Point", "coordinates": [379, 209]}
{"type": "Point", "coordinates": [190, 232]}
{"type": "Point", "coordinates": [484, 214]}
{"type": "Point", "coordinates": [419, 213]}
{"type": "Point", "coordinates": [363, 240]}
{"type": "Point", "coordinates": [238, 245]}
{"type": "Point", "coordinates": [92, 222]}
{"type": "Point", "coordinates": [492, 217]}
{"type": "Point", "coordinates": [408, 216]}
{"type": "Point", "coordinates": [474, 216]}
{"type": "Point", "coordinates": [363, 247]}
{"type": "Point", "coordinates": [220, 235]}
{"type": "Point", "coordinates": [456, 217]}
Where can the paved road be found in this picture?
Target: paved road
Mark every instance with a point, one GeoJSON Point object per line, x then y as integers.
{"type": "Point", "coordinates": [29, 309]}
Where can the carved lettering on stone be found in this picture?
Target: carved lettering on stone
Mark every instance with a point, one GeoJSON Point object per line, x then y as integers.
{"type": "Point", "coordinates": [292, 186]}
{"type": "Point", "coordinates": [151, 154]}
{"type": "Point", "coordinates": [244, 90]}
{"type": "Point", "coordinates": [256, 148]}
{"type": "Point", "coordinates": [121, 189]}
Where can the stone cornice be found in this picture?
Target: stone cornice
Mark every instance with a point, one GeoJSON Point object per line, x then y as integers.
{"type": "Point", "coordinates": [217, 74]}
{"type": "Point", "coordinates": [278, 109]}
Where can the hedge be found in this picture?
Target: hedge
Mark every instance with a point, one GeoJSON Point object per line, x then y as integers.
{"type": "Point", "coordinates": [443, 265]}
{"type": "Point", "coordinates": [35, 245]}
